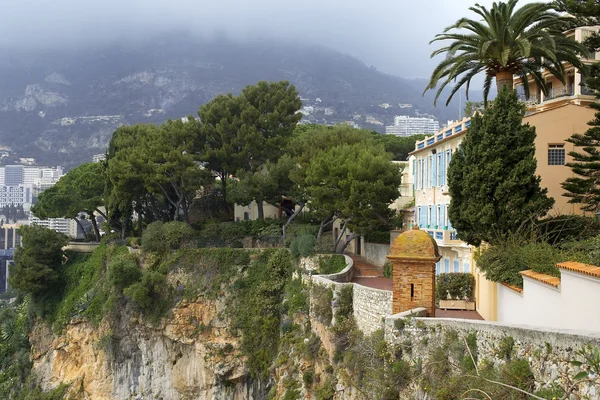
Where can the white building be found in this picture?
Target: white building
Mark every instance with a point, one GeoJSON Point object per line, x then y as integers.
{"type": "Point", "coordinates": [21, 195]}
{"type": "Point", "coordinates": [408, 126]}
{"type": "Point", "coordinates": [67, 226]}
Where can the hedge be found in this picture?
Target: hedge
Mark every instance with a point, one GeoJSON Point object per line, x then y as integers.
{"type": "Point", "coordinates": [454, 286]}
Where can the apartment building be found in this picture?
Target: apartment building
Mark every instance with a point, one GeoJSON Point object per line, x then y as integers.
{"type": "Point", "coordinates": [19, 195]}
{"type": "Point", "coordinates": [408, 126]}
{"type": "Point", "coordinates": [67, 226]}
{"type": "Point", "coordinates": [9, 236]}
{"type": "Point", "coordinates": [555, 120]}
{"type": "Point", "coordinates": [430, 165]}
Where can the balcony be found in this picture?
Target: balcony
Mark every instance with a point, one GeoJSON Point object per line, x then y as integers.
{"type": "Point", "coordinates": [560, 91]}
{"type": "Point", "coordinates": [443, 235]}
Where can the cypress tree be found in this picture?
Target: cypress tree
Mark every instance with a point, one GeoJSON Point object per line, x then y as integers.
{"type": "Point", "coordinates": [491, 178]}
{"type": "Point", "coordinates": [584, 188]}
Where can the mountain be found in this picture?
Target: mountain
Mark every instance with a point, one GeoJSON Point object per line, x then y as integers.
{"type": "Point", "coordinates": [61, 107]}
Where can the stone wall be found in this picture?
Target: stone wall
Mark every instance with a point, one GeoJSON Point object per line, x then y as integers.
{"type": "Point", "coordinates": [376, 253]}
{"type": "Point", "coordinates": [548, 351]}
{"type": "Point", "coordinates": [371, 306]}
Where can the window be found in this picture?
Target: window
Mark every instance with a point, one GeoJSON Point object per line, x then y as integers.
{"type": "Point", "coordinates": [556, 154]}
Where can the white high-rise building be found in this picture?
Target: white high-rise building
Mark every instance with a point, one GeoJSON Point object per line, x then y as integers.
{"type": "Point", "coordinates": [67, 226]}
{"type": "Point", "coordinates": [408, 126]}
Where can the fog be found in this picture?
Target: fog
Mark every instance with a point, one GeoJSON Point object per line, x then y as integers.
{"type": "Point", "coordinates": [392, 35]}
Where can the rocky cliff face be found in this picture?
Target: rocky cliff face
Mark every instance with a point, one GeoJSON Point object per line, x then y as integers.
{"type": "Point", "coordinates": [191, 355]}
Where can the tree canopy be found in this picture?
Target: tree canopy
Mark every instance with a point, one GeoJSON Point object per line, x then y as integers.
{"type": "Point", "coordinates": [80, 190]}
{"type": "Point", "coordinates": [37, 260]}
{"type": "Point", "coordinates": [504, 41]}
{"type": "Point", "coordinates": [491, 177]}
{"type": "Point", "coordinates": [355, 182]}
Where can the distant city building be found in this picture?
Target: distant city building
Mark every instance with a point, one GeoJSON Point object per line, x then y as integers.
{"type": "Point", "coordinates": [67, 226]}
{"type": "Point", "coordinates": [27, 161]}
{"type": "Point", "coordinates": [6, 259]}
{"type": "Point", "coordinates": [13, 175]}
{"type": "Point", "coordinates": [100, 157]}
{"type": "Point", "coordinates": [405, 105]}
{"type": "Point", "coordinates": [19, 195]}
{"type": "Point", "coordinates": [9, 236]}
{"type": "Point", "coordinates": [408, 126]}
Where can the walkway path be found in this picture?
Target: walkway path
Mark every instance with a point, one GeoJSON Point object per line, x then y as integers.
{"type": "Point", "coordinates": [370, 275]}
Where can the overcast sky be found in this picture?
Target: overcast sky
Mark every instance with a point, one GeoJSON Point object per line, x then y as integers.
{"type": "Point", "coordinates": [391, 35]}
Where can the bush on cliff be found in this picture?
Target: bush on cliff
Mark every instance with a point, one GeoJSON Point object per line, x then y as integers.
{"type": "Point", "coordinates": [256, 311]}
{"type": "Point", "coordinates": [161, 237]}
{"type": "Point", "coordinates": [37, 260]}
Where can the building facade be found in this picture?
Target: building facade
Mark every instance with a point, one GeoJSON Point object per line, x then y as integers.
{"type": "Point", "coordinates": [555, 120]}
{"type": "Point", "coordinates": [68, 227]}
{"type": "Point", "coordinates": [9, 236]}
{"type": "Point", "coordinates": [408, 126]}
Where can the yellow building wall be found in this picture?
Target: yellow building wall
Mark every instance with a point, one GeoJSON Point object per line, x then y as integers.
{"type": "Point", "coordinates": [555, 126]}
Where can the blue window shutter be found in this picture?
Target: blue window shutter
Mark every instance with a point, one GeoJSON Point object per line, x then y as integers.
{"type": "Point", "coordinates": [456, 265]}
{"type": "Point", "coordinates": [434, 216]}
{"type": "Point", "coordinates": [434, 170]}
{"type": "Point", "coordinates": [442, 216]}
{"type": "Point", "coordinates": [424, 216]}
{"type": "Point", "coordinates": [446, 265]}
{"type": "Point", "coordinates": [466, 266]}
{"type": "Point", "coordinates": [443, 168]}
{"type": "Point", "coordinates": [438, 267]}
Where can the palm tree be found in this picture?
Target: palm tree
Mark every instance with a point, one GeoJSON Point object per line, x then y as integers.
{"type": "Point", "coordinates": [506, 42]}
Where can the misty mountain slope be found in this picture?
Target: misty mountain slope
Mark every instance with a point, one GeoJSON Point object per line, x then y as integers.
{"type": "Point", "coordinates": [62, 107]}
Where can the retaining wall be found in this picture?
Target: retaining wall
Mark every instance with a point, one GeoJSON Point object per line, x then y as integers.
{"type": "Point", "coordinates": [549, 351]}
{"type": "Point", "coordinates": [376, 253]}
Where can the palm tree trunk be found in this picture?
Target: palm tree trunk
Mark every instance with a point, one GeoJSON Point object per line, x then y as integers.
{"type": "Point", "coordinates": [504, 79]}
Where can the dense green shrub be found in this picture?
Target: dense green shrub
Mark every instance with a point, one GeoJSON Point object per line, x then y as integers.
{"type": "Point", "coordinates": [123, 271]}
{"type": "Point", "coordinates": [344, 302]}
{"type": "Point", "coordinates": [37, 261]}
{"type": "Point", "coordinates": [331, 264]}
{"type": "Point", "coordinates": [458, 286]}
{"type": "Point", "coordinates": [303, 246]}
{"type": "Point", "coordinates": [148, 292]}
{"type": "Point", "coordinates": [296, 297]}
{"type": "Point", "coordinates": [162, 237]}
{"type": "Point", "coordinates": [261, 227]}
{"type": "Point", "coordinates": [322, 297]}
{"type": "Point", "coordinates": [296, 229]}
{"type": "Point", "coordinates": [388, 270]}
{"type": "Point", "coordinates": [564, 228]}
{"type": "Point", "coordinates": [256, 309]}
{"type": "Point", "coordinates": [382, 237]}
{"type": "Point", "coordinates": [504, 261]}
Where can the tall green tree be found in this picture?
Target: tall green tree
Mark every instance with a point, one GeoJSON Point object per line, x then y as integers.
{"type": "Point", "coordinates": [585, 13]}
{"type": "Point", "coordinates": [37, 260]}
{"type": "Point", "coordinates": [80, 190]}
{"type": "Point", "coordinates": [355, 182]}
{"type": "Point", "coordinates": [397, 145]}
{"type": "Point", "coordinates": [491, 178]}
{"type": "Point", "coordinates": [308, 142]}
{"type": "Point", "coordinates": [584, 187]}
{"type": "Point", "coordinates": [172, 167]}
{"type": "Point", "coordinates": [504, 41]}
{"type": "Point", "coordinates": [125, 188]}
{"type": "Point", "coordinates": [243, 133]}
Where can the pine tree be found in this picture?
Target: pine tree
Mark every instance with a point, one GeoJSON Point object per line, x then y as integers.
{"type": "Point", "coordinates": [491, 177]}
{"type": "Point", "coordinates": [584, 188]}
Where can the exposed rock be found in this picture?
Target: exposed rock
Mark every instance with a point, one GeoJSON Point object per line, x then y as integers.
{"type": "Point", "coordinates": [184, 358]}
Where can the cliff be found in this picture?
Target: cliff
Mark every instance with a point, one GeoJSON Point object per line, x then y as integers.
{"type": "Point", "coordinates": [190, 355]}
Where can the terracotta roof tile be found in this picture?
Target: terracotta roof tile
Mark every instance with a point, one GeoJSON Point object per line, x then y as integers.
{"type": "Point", "coordinates": [515, 288]}
{"type": "Point", "coordinates": [585, 269]}
{"type": "Point", "coordinates": [547, 279]}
